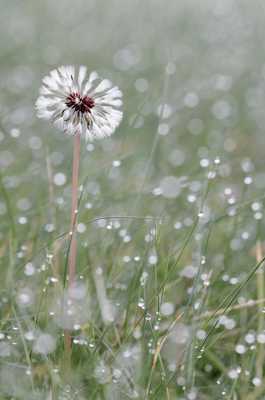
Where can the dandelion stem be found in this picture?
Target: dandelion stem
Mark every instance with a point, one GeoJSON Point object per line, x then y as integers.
{"type": "Point", "coordinates": [73, 244]}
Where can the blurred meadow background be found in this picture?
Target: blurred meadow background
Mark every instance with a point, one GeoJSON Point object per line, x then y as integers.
{"type": "Point", "coordinates": [169, 301]}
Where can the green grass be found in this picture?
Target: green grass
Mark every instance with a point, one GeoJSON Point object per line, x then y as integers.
{"type": "Point", "coordinates": [169, 302]}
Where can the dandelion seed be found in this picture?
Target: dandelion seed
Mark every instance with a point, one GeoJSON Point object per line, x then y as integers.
{"type": "Point", "coordinates": [74, 104]}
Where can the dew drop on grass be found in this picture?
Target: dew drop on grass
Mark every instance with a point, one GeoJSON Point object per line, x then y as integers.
{"type": "Point", "coordinates": [167, 309]}
{"type": "Point", "coordinates": [233, 373]}
{"type": "Point", "coordinates": [148, 317]}
{"type": "Point", "coordinates": [59, 179]}
{"type": "Point", "coordinates": [256, 381]}
{"type": "Point", "coordinates": [5, 349]}
{"type": "Point", "coordinates": [29, 269]}
{"type": "Point", "coordinates": [250, 338]}
{"type": "Point", "coordinates": [141, 303]}
{"type": "Point", "coordinates": [170, 187]}
{"type": "Point", "coordinates": [240, 349]}
{"type": "Point", "coordinates": [25, 297]}
{"type": "Point", "coordinates": [44, 344]}
{"type": "Point", "coordinates": [102, 373]}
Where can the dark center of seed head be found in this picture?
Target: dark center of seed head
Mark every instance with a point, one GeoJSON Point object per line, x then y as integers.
{"type": "Point", "coordinates": [79, 103]}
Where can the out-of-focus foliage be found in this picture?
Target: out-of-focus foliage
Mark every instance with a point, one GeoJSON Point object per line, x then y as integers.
{"type": "Point", "coordinates": [170, 223]}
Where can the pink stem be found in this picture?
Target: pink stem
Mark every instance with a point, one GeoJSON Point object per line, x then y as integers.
{"type": "Point", "coordinates": [73, 244]}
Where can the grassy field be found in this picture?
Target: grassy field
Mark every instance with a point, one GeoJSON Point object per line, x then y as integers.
{"type": "Point", "coordinates": [169, 299]}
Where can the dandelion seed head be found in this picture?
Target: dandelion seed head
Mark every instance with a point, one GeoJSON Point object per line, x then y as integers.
{"type": "Point", "coordinates": [76, 104]}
